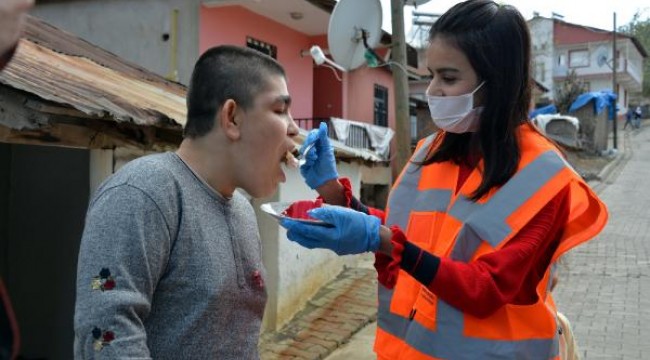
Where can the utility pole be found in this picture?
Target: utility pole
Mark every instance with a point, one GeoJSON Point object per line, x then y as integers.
{"type": "Point", "coordinates": [400, 80]}
{"type": "Point", "coordinates": [614, 65]}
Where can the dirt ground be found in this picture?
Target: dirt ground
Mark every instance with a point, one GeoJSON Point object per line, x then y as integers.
{"type": "Point", "coordinates": [587, 165]}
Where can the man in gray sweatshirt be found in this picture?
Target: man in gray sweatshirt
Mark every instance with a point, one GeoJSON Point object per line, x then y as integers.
{"type": "Point", "coordinates": [170, 265]}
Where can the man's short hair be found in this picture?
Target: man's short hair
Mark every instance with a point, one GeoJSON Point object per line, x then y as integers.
{"type": "Point", "coordinates": [222, 73]}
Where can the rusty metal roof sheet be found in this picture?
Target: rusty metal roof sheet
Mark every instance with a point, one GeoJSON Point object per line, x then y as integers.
{"type": "Point", "coordinates": [60, 67]}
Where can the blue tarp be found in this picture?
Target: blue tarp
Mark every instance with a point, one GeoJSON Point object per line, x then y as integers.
{"type": "Point", "coordinates": [548, 109]}
{"type": "Point", "coordinates": [601, 99]}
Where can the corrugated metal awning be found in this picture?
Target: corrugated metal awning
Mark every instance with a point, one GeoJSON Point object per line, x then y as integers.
{"type": "Point", "coordinates": [62, 68]}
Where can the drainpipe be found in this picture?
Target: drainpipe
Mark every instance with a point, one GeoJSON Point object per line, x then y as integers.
{"type": "Point", "coordinates": [173, 51]}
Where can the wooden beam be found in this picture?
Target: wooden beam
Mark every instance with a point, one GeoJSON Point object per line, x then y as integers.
{"type": "Point", "coordinates": [60, 135]}
{"type": "Point", "coordinates": [55, 109]}
{"type": "Point", "coordinates": [27, 119]}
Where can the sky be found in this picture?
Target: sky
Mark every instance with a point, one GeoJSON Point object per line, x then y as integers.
{"type": "Point", "coordinates": [594, 13]}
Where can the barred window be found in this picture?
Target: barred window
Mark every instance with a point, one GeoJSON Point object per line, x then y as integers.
{"type": "Point", "coordinates": [263, 47]}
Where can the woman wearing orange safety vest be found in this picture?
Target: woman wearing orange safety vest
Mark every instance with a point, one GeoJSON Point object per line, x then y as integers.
{"type": "Point", "coordinates": [477, 219]}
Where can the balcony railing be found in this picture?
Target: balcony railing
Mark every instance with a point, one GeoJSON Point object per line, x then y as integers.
{"type": "Point", "coordinates": [624, 67]}
{"type": "Point", "coordinates": [357, 138]}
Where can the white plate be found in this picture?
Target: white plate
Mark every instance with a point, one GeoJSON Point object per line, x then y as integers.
{"type": "Point", "coordinates": [276, 209]}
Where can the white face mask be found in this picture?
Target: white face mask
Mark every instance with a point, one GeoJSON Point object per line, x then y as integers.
{"type": "Point", "coordinates": [455, 114]}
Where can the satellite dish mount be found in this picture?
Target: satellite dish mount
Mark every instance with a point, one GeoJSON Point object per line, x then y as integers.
{"type": "Point", "coordinates": [602, 58]}
{"type": "Point", "coordinates": [350, 35]}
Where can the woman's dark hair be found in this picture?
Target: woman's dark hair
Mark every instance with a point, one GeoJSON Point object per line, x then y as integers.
{"type": "Point", "coordinates": [222, 73]}
{"type": "Point", "coordinates": [496, 41]}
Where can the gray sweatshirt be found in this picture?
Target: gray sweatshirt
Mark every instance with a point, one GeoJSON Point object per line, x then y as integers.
{"type": "Point", "coordinates": [168, 268]}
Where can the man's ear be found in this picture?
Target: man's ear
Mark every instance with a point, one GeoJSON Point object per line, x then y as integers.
{"type": "Point", "coordinates": [229, 119]}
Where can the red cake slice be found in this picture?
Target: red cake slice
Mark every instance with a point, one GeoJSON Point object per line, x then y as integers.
{"type": "Point", "coordinates": [298, 210]}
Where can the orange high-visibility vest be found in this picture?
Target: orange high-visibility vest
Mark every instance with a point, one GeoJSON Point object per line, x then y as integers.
{"type": "Point", "coordinates": [413, 323]}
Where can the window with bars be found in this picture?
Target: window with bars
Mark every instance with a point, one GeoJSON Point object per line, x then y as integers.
{"type": "Point", "coordinates": [263, 47]}
{"type": "Point", "coordinates": [381, 106]}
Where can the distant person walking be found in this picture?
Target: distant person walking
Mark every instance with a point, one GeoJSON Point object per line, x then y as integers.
{"type": "Point", "coordinates": [638, 113]}
{"type": "Point", "coordinates": [629, 115]}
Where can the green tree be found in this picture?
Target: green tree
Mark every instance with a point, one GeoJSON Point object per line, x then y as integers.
{"type": "Point", "coordinates": [568, 92]}
{"type": "Point", "coordinates": [639, 27]}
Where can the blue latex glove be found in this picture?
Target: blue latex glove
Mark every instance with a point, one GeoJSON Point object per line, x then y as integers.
{"type": "Point", "coordinates": [353, 232]}
{"type": "Point", "coordinates": [320, 165]}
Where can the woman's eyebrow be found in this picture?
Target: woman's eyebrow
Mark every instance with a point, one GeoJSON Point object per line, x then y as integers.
{"type": "Point", "coordinates": [447, 69]}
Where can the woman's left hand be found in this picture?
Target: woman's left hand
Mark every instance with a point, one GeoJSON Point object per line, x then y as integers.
{"type": "Point", "coordinates": [352, 232]}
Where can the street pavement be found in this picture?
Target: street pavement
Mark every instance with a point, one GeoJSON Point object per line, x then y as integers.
{"type": "Point", "coordinates": [604, 286]}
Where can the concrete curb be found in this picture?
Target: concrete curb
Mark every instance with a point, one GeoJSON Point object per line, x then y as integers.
{"type": "Point", "coordinates": [609, 173]}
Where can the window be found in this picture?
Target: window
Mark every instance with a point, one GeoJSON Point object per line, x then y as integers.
{"type": "Point", "coordinates": [414, 127]}
{"type": "Point", "coordinates": [411, 57]}
{"type": "Point", "coordinates": [381, 106]}
{"type": "Point", "coordinates": [578, 58]}
{"type": "Point", "coordinates": [540, 72]}
{"type": "Point", "coordinates": [261, 46]}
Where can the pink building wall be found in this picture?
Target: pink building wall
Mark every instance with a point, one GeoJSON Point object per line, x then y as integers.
{"type": "Point", "coordinates": [232, 24]}
{"type": "Point", "coordinates": [361, 94]}
{"type": "Point", "coordinates": [315, 90]}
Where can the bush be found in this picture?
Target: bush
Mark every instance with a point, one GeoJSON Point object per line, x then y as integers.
{"type": "Point", "coordinates": [568, 92]}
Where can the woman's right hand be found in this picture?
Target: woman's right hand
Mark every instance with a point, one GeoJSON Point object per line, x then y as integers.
{"type": "Point", "coordinates": [320, 165]}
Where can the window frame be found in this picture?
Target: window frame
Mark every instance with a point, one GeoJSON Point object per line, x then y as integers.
{"type": "Point", "coordinates": [380, 118]}
{"type": "Point", "coordinates": [262, 46]}
{"type": "Point", "coordinates": [587, 62]}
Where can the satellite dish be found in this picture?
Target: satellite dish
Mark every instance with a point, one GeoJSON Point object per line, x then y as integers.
{"type": "Point", "coordinates": [602, 60]}
{"type": "Point", "coordinates": [415, 3]}
{"type": "Point", "coordinates": [601, 57]}
{"type": "Point", "coordinates": [351, 22]}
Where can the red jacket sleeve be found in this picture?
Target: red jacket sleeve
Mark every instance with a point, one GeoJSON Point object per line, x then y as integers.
{"type": "Point", "coordinates": [355, 204]}
{"type": "Point", "coordinates": [507, 276]}
{"type": "Point", "coordinates": [378, 213]}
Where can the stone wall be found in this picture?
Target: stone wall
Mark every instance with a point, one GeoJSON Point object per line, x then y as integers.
{"type": "Point", "coordinates": [594, 128]}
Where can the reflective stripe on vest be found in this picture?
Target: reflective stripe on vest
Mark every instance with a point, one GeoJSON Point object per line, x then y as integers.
{"type": "Point", "coordinates": [487, 222]}
{"type": "Point", "coordinates": [450, 343]}
{"type": "Point", "coordinates": [483, 222]}
{"type": "Point", "coordinates": [407, 196]}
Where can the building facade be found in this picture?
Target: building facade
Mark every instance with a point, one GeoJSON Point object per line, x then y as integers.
{"type": "Point", "coordinates": [559, 47]}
